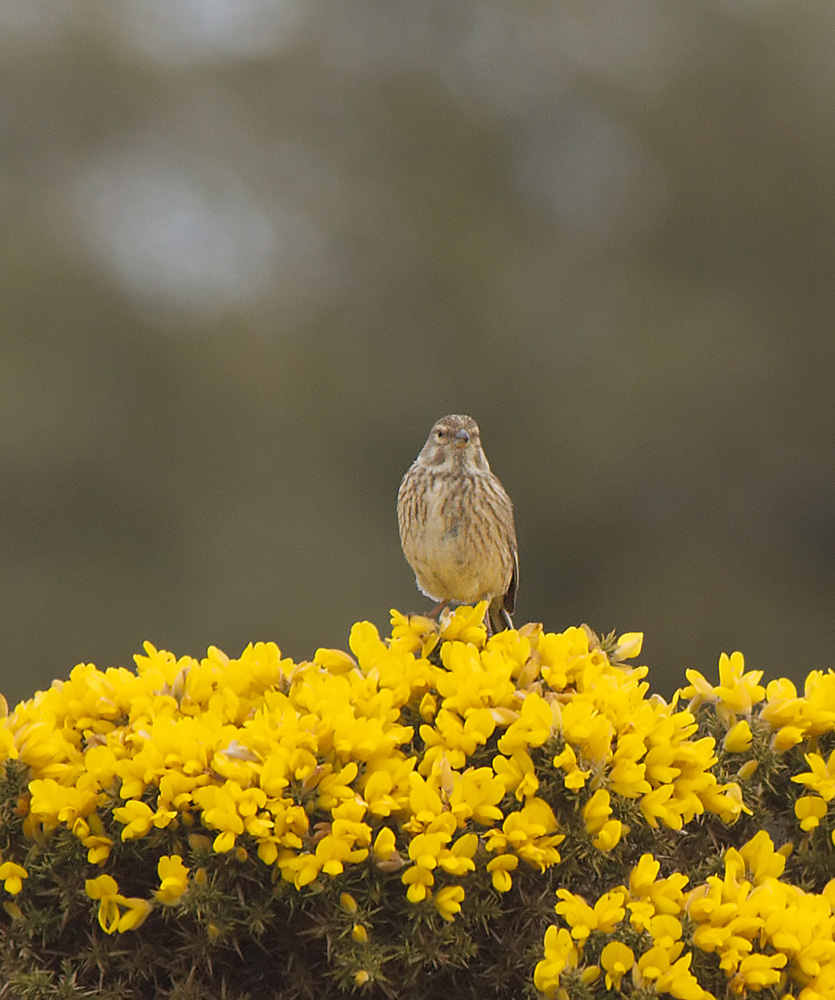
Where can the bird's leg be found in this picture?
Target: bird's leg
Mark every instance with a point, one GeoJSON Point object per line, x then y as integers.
{"type": "Point", "coordinates": [436, 611]}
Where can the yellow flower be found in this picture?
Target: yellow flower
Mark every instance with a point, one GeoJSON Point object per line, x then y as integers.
{"type": "Point", "coordinates": [414, 632]}
{"type": "Point", "coordinates": [659, 804]}
{"type": "Point", "coordinates": [424, 848]}
{"type": "Point", "coordinates": [761, 860]}
{"type": "Point", "coordinates": [821, 777]}
{"type": "Point", "coordinates": [465, 625]}
{"type": "Point", "coordinates": [91, 833]}
{"type": "Point", "coordinates": [641, 912]}
{"type": "Point", "coordinates": [577, 913]}
{"type": "Point", "coordinates": [627, 776]}
{"type": "Point", "coordinates": [12, 876]}
{"type": "Point", "coordinates": [474, 680]}
{"type": "Point", "coordinates": [336, 787]}
{"type": "Point", "coordinates": [628, 646]}
{"type": "Point", "coordinates": [529, 832]}
{"type": "Point", "coordinates": [679, 981]}
{"type": "Point", "coordinates": [340, 847]}
{"type": "Point", "coordinates": [797, 717]}
{"type": "Point", "coordinates": [567, 761]}
{"type": "Point", "coordinates": [616, 959]}
{"type": "Point", "coordinates": [665, 930]}
{"type": "Point", "coordinates": [560, 953]}
{"type": "Point", "coordinates": [300, 869]}
{"type": "Point", "coordinates": [699, 690]}
{"type": "Point", "coordinates": [737, 691]}
{"type": "Point", "coordinates": [39, 743]}
{"type": "Point", "coordinates": [458, 860]}
{"type": "Point", "coordinates": [385, 785]}
{"type": "Point", "coordinates": [810, 810]}
{"type": "Point", "coordinates": [106, 890]}
{"type": "Point", "coordinates": [609, 910]}
{"type": "Point", "coordinates": [653, 963]}
{"type": "Point", "coordinates": [223, 807]}
{"type": "Point", "coordinates": [725, 801]}
{"type": "Point", "coordinates": [419, 881]}
{"type": "Point", "coordinates": [782, 704]}
{"type": "Point", "coordinates": [424, 800]}
{"type": "Point", "coordinates": [500, 868]}
{"type": "Point", "coordinates": [335, 661]}
{"type": "Point", "coordinates": [609, 835]}
{"type": "Point", "coordinates": [662, 757]}
{"type": "Point", "coordinates": [758, 971]}
{"type": "Point", "coordinates": [306, 761]}
{"type": "Point", "coordinates": [136, 912]}
{"type": "Point", "coordinates": [597, 810]}
{"type": "Point", "coordinates": [448, 901]}
{"type": "Point", "coordinates": [665, 895]}
{"type": "Point", "coordinates": [819, 698]}
{"type": "Point", "coordinates": [7, 745]}
{"type": "Point", "coordinates": [604, 916]}
{"type": "Point", "coordinates": [758, 930]}
{"type": "Point", "coordinates": [476, 794]}
{"type": "Point", "coordinates": [535, 724]}
{"type": "Point", "coordinates": [517, 774]}
{"type": "Point", "coordinates": [138, 819]}
{"type": "Point", "coordinates": [738, 739]}
{"type": "Point", "coordinates": [173, 875]}
{"type": "Point", "coordinates": [428, 707]}
{"type": "Point", "coordinates": [384, 845]}
{"type": "Point", "coordinates": [585, 728]}
{"type": "Point", "coordinates": [787, 737]}
{"type": "Point", "coordinates": [643, 875]}
{"type": "Point", "coordinates": [53, 803]}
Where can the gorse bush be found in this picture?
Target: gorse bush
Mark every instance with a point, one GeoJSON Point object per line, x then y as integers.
{"type": "Point", "coordinates": [438, 814]}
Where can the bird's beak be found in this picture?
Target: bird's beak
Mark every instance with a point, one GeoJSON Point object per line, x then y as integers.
{"type": "Point", "coordinates": [462, 436]}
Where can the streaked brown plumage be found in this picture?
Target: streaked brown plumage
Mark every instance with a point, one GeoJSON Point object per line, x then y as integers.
{"type": "Point", "coordinates": [456, 523]}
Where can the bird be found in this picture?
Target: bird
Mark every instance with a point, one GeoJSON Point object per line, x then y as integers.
{"type": "Point", "coordinates": [456, 524]}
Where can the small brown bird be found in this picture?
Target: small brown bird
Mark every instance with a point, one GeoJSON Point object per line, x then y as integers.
{"type": "Point", "coordinates": [456, 523]}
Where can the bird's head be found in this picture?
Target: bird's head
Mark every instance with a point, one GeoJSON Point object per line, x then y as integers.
{"type": "Point", "coordinates": [455, 441]}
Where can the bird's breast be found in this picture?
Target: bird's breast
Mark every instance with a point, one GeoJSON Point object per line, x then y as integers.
{"type": "Point", "coordinates": [447, 549]}
{"type": "Point", "coordinates": [442, 527]}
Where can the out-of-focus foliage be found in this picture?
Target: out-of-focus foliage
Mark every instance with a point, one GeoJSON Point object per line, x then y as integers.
{"type": "Point", "coordinates": [251, 250]}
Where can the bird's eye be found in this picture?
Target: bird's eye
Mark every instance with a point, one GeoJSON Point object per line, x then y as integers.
{"type": "Point", "coordinates": [439, 434]}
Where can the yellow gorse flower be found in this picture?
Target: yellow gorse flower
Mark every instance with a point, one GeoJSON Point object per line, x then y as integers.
{"type": "Point", "coordinates": [12, 875]}
{"type": "Point", "coordinates": [227, 739]}
{"type": "Point", "coordinates": [461, 767]}
{"type": "Point", "coordinates": [173, 879]}
{"type": "Point", "coordinates": [820, 777]}
{"type": "Point", "coordinates": [617, 959]}
{"type": "Point", "coordinates": [756, 926]}
{"type": "Point", "coordinates": [116, 912]}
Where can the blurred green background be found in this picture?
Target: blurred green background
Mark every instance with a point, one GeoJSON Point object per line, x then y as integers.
{"type": "Point", "coordinates": [251, 250]}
